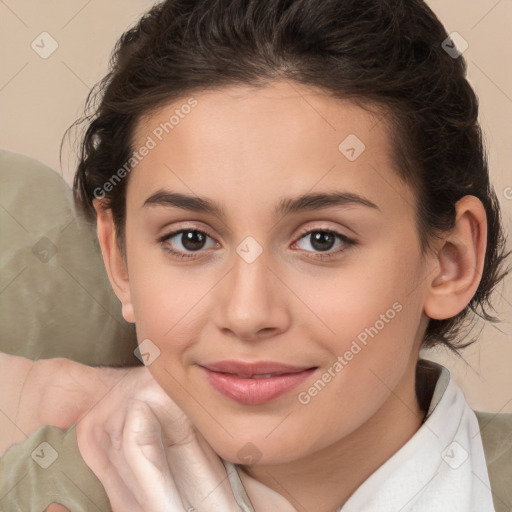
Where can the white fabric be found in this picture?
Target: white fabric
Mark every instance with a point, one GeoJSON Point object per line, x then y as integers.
{"type": "Point", "coordinates": [442, 467]}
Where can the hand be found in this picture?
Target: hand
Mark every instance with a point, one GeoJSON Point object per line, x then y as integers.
{"type": "Point", "coordinates": [47, 392]}
{"type": "Point", "coordinates": [148, 455]}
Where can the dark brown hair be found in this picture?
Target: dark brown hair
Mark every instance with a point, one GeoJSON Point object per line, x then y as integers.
{"type": "Point", "coordinates": [387, 53]}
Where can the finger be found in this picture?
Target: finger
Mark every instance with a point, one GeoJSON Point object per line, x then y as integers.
{"type": "Point", "coordinates": [179, 427]}
{"type": "Point", "coordinates": [201, 477]}
{"type": "Point", "coordinates": [105, 458]}
{"type": "Point", "coordinates": [145, 456]}
{"type": "Point", "coordinates": [197, 471]}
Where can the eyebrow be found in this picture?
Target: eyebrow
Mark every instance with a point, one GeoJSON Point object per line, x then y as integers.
{"type": "Point", "coordinates": [286, 206]}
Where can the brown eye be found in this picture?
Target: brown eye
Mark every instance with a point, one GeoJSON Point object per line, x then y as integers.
{"type": "Point", "coordinates": [192, 240]}
{"type": "Point", "coordinates": [322, 240]}
{"type": "Point", "coordinates": [185, 242]}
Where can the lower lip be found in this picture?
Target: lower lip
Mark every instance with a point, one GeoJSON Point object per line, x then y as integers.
{"type": "Point", "coordinates": [255, 391]}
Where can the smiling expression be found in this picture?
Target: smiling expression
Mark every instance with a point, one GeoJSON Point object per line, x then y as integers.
{"type": "Point", "coordinates": [262, 241]}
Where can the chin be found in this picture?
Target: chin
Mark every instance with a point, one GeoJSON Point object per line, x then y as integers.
{"type": "Point", "coordinates": [255, 450]}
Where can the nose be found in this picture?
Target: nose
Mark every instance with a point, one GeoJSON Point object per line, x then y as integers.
{"type": "Point", "coordinates": [252, 305]}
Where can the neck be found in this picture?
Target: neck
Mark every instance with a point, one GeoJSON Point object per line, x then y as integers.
{"type": "Point", "coordinates": [325, 480]}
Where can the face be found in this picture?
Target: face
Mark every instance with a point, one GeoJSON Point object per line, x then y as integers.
{"type": "Point", "coordinates": [273, 260]}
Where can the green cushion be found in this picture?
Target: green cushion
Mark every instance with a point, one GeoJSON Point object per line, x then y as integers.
{"type": "Point", "coordinates": [55, 297]}
{"type": "Point", "coordinates": [496, 432]}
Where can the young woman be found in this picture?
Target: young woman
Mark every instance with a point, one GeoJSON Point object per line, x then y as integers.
{"type": "Point", "coordinates": [292, 198]}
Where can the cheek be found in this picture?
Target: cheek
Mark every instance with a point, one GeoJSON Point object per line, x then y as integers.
{"type": "Point", "coordinates": [362, 296]}
{"type": "Point", "coordinates": [167, 301]}
{"type": "Point", "coordinates": [364, 313]}
{"type": "Point", "coordinates": [373, 314]}
{"type": "Point", "coordinates": [350, 389]}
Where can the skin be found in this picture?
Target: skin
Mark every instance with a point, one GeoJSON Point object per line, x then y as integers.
{"type": "Point", "coordinates": [47, 392]}
{"type": "Point", "coordinates": [246, 149]}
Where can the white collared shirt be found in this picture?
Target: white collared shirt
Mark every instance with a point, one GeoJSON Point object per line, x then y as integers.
{"type": "Point", "coordinates": [440, 468]}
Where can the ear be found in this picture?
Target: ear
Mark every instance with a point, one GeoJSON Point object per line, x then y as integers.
{"type": "Point", "coordinates": [115, 265]}
{"type": "Point", "coordinates": [459, 261]}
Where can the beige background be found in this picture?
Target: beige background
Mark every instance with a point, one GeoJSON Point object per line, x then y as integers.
{"type": "Point", "coordinates": [40, 98]}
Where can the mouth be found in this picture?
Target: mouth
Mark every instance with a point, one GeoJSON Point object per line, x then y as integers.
{"type": "Point", "coordinates": [254, 383]}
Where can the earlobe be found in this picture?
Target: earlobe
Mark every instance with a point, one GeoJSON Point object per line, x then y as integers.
{"type": "Point", "coordinates": [459, 262]}
{"type": "Point", "coordinates": [115, 264]}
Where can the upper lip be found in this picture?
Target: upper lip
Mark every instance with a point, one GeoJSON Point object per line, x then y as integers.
{"type": "Point", "coordinates": [247, 369]}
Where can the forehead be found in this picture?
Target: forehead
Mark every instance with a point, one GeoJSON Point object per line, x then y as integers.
{"type": "Point", "coordinates": [289, 110]}
{"type": "Point", "coordinates": [282, 137]}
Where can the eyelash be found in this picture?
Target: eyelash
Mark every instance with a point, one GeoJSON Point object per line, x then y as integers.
{"type": "Point", "coordinates": [320, 256]}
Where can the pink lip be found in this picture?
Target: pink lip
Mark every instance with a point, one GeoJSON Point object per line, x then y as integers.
{"type": "Point", "coordinates": [227, 377]}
